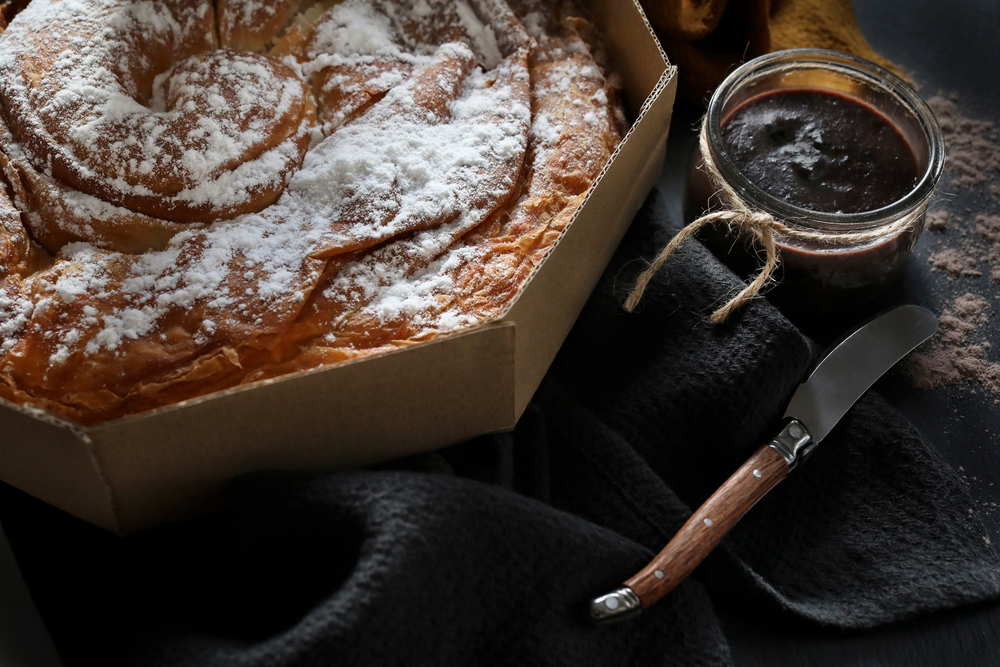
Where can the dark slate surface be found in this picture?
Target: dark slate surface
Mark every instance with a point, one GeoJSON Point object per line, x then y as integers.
{"type": "Point", "coordinates": [480, 554]}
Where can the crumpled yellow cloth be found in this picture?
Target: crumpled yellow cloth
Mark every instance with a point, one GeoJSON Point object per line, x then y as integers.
{"type": "Point", "coordinates": [707, 39]}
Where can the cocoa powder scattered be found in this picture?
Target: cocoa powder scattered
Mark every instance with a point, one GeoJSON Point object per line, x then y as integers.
{"type": "Point", "coordinates": [956, 261]}
{"type": "Point", "coordinates": [973, 158]}
{"type": "Point", "coordinates": [966, 247]}
{"type": "Point", "coordinates": [955, 355]}
{"type": "Point", "coordinates": [988, 227]}
{"type": "Point", "coordinates": [937, 221]}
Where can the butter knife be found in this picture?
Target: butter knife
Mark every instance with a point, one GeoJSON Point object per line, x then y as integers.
{"type": "Point", "coordinates": [843, 375]}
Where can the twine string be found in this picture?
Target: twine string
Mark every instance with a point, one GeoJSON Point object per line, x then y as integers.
{"type": "Point", "coordinates": [737, 213]}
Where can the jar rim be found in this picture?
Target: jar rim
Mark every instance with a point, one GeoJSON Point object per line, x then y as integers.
{"type": "Point", "coordinates": [859, 70]}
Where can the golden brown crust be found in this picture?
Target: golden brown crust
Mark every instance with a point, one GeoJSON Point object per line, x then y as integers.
{"type": "Point", "coordinates": [19, 255]}
{"type": "Point", "coordinates": [445, 160]}
{"type": "Point", "coordinates": [145, 119]}
{"type": "Point", "coordinates": [246, 26]}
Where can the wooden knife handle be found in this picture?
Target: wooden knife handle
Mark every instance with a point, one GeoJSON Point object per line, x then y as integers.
{"type": "Point", "coordinates": [709, 524]}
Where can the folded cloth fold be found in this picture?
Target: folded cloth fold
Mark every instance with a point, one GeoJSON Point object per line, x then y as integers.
{"type": "Point", "coordinates": [487, 553]}
{"type": "Point", "coordinates": [707, 39]}
{"type": "Point", "coordinates": [382, 568]}
{"type": "Point", "coordinates": [874, 528]}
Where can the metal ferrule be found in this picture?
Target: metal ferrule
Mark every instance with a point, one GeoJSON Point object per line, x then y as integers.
{"type": "Point", "coordinates": [617, 605]}
{"type": "Point", "coordinates": [793, 443]}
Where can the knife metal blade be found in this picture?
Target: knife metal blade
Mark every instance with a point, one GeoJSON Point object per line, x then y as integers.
{"type": "Point", "coordinates": [841, 377]}
{"type": "Point", "coordinates": [854, 364]}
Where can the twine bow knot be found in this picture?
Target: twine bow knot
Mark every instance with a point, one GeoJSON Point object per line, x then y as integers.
{"type": "Point", "coordinates": [737, 213]}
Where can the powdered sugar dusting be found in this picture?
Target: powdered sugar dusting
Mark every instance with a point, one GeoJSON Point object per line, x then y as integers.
{"type": "Point", "coordinates": [163, 146]}
{"type": "Point", "coordinates": [15, 310]}
{"type": "Point", "coordinates": [391, 171]}
{"type": "Point", "coordinates": [426, 127]}
{"type": "Point", "coordinates": [355, 28]}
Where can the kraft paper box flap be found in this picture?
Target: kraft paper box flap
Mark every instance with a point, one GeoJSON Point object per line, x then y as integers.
{"type": "Point", "coordinates": [164, 465]}
{"type": "Point", "coordinates": [157, 467]}
{"type": "Point", "coordinates": [636, 53]}
{"type": "Point", "coordinates": [548, 306]}
{"type": "Point", "coordinates": [52, 459]}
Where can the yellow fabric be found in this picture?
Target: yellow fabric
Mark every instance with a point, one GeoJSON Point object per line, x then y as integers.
{"type": "Point", "coordinates": [707, 39]}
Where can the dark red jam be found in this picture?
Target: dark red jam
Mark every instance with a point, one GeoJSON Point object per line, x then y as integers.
{"type": "Point", "coordinates": [820, 150]}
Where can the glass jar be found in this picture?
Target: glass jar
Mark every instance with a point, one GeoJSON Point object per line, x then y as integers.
{"type": "Point", "coordinates": [817, 274]}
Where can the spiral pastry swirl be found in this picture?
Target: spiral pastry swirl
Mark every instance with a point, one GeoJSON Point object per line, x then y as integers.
{"type": "Point", "coordinates": [201, 194]}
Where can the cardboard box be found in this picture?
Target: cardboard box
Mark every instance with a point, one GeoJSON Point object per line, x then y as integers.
{"type": "Point", "coordinates": [160, 466]}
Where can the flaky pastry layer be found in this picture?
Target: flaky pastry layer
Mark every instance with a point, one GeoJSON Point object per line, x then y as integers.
{"type": "Point", "coordinates": [200, 195]}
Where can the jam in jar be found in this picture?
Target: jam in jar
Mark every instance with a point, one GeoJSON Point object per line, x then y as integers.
{"type": "Point", "coordinates": [840, 151]}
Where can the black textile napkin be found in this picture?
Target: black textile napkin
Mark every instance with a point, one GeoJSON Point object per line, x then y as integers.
{"type": "Point", "coordinates": [487, 553]}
